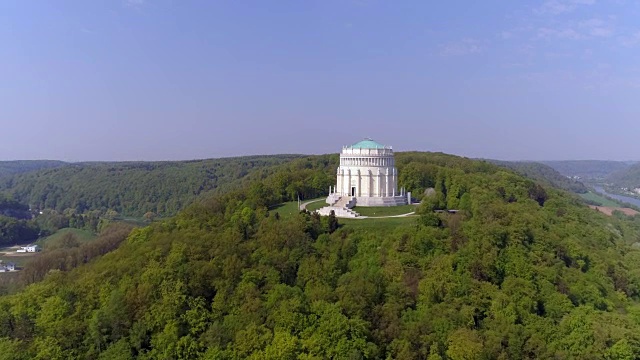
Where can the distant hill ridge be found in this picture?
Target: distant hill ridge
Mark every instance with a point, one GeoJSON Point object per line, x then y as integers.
{"type": "Point", "coordinates": [8, 168]}
{"type": "Point", "coordinates": [130, 188]}
{"type": "Point", "coordinates": [588, 169]}
{"type": "Point", "coordinates": [628, 177]}
{"type": "Point", "coordinates": [543, 173]}
{"type": "Point", "coordinates": [521, 271]}
{"type": "Point", "coordinates": [134, 188]}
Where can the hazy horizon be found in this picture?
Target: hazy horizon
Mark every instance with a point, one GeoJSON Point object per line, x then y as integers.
{"type": "Point", "coordinates": [144, 80]}
{"type": "Point", "coordinates": [250, 155]}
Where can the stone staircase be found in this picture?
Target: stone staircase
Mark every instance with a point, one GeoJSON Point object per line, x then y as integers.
{"type": "Point", "coordinates": [342, 208]}
{"type": "Point", "coordinates": [345, 202]}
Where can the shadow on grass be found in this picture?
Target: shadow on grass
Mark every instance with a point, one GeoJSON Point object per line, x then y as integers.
{"type": "Point", "coordinates": [275, 207]}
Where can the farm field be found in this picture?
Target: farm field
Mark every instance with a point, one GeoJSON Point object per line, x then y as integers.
{"type": "Point", "coordinates": [603, 201]}
{"type": "Point", "coordinates": [9, 254]}
{"type": "Point", "coordinates": [608, 210]}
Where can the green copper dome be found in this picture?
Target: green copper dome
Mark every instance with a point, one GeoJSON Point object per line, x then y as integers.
{"type": "Point", "coordinates": [367, 144]}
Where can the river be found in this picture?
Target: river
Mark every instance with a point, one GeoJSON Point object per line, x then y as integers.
{"type": "Point", "coordinates": [622, 198]}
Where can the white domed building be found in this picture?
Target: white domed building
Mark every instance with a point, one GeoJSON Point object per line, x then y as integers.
{"type": "Point", "coordinates": [367, 176]}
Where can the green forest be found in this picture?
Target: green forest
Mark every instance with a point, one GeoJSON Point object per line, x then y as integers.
{"type": "Point", "coordinates": [21, 225]}
{"type": "Point", "coordinates": [8, 168]}
{"type": "Point", "coordinates": [133, 189]}
{"type": "Point", "coordinates": [590, 170]}
{"type": "Point", "coordinates": [544, 174]}
{"type": "Point", "coordinates": [627, 178]}
{"type": "Point", "coordinates": [16, 224]}
{"type": "Point", "coordinates": [523, 271]}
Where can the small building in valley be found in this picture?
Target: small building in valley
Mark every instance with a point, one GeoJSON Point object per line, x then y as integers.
{"type": "Point", "coordinates": [29, 249]}
{"type": "Point", "coordinates": [7, 267]}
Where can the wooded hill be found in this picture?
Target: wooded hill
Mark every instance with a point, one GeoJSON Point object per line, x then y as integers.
{"type": "Point", "coordinates": [133, 188]}
{"type": "Point", "coordinates": [588, 169]}
{"type": "Point", "coordinates": [628, 177]}
{"type": "Point", "coordinates": [545, 174]}
{"type": "Point", "coordinates": [522, 271]}
{"type": "Point", "coordinates": [8, 168]}
{"type": "Point", "coordinates": [15, 222]}
{"type": "Point", "coordinates": [11, 208]}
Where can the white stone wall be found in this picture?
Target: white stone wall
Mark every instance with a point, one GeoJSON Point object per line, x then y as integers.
{"type": "Point", "coordinates": [371, 171]}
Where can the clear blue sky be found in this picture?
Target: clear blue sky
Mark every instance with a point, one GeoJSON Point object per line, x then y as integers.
{"type": "Point", "coordinates": [161, 79]}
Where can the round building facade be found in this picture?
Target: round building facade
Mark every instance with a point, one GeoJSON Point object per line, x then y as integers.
{"type": "Point", "coordinates": [367, 173]}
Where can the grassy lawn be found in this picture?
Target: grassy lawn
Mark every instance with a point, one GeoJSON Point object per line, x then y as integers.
{"type": "Point", "coordinates": [137, 221]}
{"type": "Point", "coordinates": [21, 258]}
{"type": "Point", "coordinates": [385, 210]}
{"type": "Point", "coordinates": [317, 205]}
{"type": "Point", "coordinates": [291, 207]}
{"type": "Point", "coordinates": [387, 224]}
{"type": "Point", "coordinates": [285, 209]}
{"type": "Point", "coordinates": [18, 260]}
{"type": "Point", "coordinates": [591, 196]}
{"type": "Point", "coordinates": [82, 235]}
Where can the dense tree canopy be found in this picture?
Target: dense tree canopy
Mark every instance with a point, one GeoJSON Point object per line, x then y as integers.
{"type": "Point", "coordinates": [544, 173]}
{"type": "Point", "coordinates": [628, 177]}
{"type": "Point", "coordinates": [13, 231]}
{"type": "Point", "coordinates": [521, 271]}
{"type": "Point", "coordinates": [12, 208]}
{"type": "Point", "coordinates": [133, 188]}
{"type": "Point", "coordinates": [151, 189]}
{"type": "Point", "coordinates": [15, 222]}
{"type": "Point", "coordinates": [588, 169]}
{"type": "Point", "coordinates": [20, 225]}
{"type": "Point", "coordinates": [8, 168]}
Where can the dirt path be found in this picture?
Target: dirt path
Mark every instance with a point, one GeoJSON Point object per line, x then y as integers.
{"type": "Point", "coordinates": [303, 206]}
{"type": "Point", "coordinates": [386, 217]}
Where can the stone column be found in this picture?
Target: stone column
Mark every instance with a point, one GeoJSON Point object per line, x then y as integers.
{"type": "Point", "coordinates": [388, 183]}
{"type": "Point", "coordinates": [395, 181]}
{"type": "Point", "coordinates": [376, 184]}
